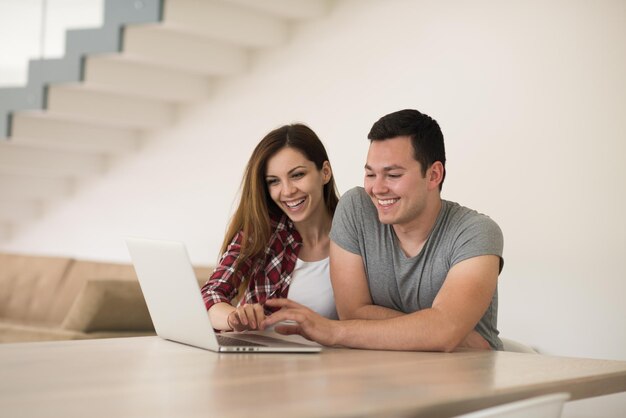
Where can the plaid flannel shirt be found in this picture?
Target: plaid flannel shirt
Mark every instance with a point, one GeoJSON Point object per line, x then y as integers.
{"type": "Point", "coordinates": [270, 275]}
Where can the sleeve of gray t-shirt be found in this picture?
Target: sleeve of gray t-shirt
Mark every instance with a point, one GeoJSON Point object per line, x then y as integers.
{"type": "Point", "coordinates": [480, 235]}
{"type": "Point", "coordinates": [346, 222]}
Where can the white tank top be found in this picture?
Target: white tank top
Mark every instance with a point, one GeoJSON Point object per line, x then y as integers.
{"type": "Point", "coordinates": [310, 286]}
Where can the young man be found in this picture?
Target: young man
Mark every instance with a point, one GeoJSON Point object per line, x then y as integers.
{"type": "Point", "coordinates": [410, 271]}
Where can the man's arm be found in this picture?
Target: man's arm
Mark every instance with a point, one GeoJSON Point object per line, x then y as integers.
{"type": "Point", "coordinates": [457, 308]}
{"type": "Point", "coordinates": [459, 305]}
{"type": "Point", "coordinates": [352, 294]}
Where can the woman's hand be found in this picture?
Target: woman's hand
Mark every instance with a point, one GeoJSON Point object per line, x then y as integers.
{"type": "Point", "coordinates": [246, 317]}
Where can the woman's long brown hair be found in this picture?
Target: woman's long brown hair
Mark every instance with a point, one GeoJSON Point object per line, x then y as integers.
{"type": "Point", "coordinates": [252, 216]}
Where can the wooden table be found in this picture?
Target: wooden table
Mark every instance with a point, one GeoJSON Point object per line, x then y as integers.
{"type": "Point", "coordinates": [150, 377]}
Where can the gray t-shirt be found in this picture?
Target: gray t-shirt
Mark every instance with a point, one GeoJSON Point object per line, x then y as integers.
{"type": "Point", "coordinates": [411, 284]}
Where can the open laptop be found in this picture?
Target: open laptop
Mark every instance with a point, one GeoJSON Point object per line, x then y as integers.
{"type": "Point", "coordinates": [175, 303]}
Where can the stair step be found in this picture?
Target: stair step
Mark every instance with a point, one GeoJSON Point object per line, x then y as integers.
{"type": "Point", "coordinates": [117, 14]}
{"type": "Point", "coordinates": [53, 70]}
{"type": "Point", "coordinates": [226, 22]}
{"type": "Point", "coordinates": [124, 11]}
{"type": "Point", "coordinates": [46, 130]}
{"type": "Point", "coordinates": [91, 103]}
{"type": "Point", "coordinates": [131, 75]}
{"type": "Point", "coordinates": [21, 159]}
{"type": "Point", "coordinates": [288, 9]}
{"type": "Point", "coordinates": [79, 42]}
{"type": "Point", "coordinates": [172, 48]}
{"type": "Point", "coordinates": [162, 64]}
{"type": "Point", "coordinates": [13, 99]}
{"type": "Point", "coordinates": [24, 187]}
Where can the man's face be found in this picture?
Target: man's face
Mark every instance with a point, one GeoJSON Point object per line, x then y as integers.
{"type": "Point", "coordinates": [394, 181]}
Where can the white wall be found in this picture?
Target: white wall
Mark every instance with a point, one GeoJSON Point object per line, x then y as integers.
{"type": "Point", "coordinates": [531, 96]}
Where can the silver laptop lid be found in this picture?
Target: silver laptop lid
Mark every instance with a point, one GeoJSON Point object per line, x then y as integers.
{"type": "Point", "coordinates": [170, 288]}
{"type": "Point", "coordinates": [173, 297]}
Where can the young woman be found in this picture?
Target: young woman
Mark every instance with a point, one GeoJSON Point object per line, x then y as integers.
{"type": "Point", "coordinates": [277, 243]}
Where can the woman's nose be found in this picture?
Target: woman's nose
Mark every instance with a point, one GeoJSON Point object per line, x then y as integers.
{"type": "Point", "coordinates": [289, 188]}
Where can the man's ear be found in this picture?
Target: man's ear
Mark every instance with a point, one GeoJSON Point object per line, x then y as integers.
{"type": "Point", "coordinates": [435, 174]}
{"type": "Point", "coordinates": [327, 172]}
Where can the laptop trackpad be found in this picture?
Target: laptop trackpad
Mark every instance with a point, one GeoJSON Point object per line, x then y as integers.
{"type": "Point", "coordinates": [265, 340]}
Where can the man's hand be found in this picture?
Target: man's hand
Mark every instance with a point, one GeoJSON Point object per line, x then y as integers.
{"type": "Point", "coordinates": [246, 317]}
{"type": "Point", "coordinates": [309, 324]}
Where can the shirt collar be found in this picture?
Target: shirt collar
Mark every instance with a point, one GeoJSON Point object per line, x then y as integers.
{"type": "Point", "coordinates": [285, 227]}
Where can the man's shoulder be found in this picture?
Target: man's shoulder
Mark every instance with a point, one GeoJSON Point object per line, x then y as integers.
{"type": "Point", "coordinates": [355, 198]}
{"type": "Point", "coordinates": [355, 211]}
{"type": "Point", "coordinates": [357, 192]}
{"type": "Point", "coordinates": [457, 210]}
{"type": "Point", "coordinates": [466, 217]}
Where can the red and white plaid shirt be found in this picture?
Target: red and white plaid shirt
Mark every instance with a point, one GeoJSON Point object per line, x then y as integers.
{"type": "Point", "coordinates": [270, 274]}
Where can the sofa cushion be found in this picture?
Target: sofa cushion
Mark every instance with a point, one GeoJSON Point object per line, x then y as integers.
{"type": "Point", "coordinates": [109, 305]}
{"type": "Point", "coordinates": [56, 298]}
{"type": "Point", "coordinates": [113, 305]}
{"type": "Point", "coordinates": [30, 285]}
{"type": "Point", "coordinates": [79, 273]}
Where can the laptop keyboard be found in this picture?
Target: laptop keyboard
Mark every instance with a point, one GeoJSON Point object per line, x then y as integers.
{"type": "Point", "coordinates": [233, 342]}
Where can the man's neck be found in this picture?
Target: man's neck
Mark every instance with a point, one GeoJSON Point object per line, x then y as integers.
{"type": "Point", "coordinates": [413, 235]}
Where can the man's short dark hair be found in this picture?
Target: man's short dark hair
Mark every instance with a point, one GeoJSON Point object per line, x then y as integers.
{"type": "Point", "coordinates": [425, 133]}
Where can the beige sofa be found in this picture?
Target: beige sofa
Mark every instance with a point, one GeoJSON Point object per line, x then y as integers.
{"type": "Point", "coordinates": [57, 298]}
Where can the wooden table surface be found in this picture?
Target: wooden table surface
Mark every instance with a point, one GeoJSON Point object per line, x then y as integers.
{"type": "Point", "coordinates": [150, 377]}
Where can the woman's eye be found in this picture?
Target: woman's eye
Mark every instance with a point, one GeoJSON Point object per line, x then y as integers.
{"type": "Point", "coordinates": [297, 175]}
{"type": "Point", "coordinates": [271, 182]}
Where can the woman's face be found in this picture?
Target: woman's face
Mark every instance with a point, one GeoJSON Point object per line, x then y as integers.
{"type": "Point", "coordinates": [295, 184]}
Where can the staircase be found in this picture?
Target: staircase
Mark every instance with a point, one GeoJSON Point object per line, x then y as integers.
{"type": "Point", "coordinates": [120, 81]}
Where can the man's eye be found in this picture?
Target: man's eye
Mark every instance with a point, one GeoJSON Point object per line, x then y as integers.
{"type": "Point", "coordinates": [395, 176]}
{"type": "Point", "coordinates": [369, 175]}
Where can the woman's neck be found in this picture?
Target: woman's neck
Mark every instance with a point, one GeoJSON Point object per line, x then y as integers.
{"type": "Point", "coordinates": [315, 240]}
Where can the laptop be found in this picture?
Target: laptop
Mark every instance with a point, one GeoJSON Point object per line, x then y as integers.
{"type": "Point", "coordinates": [172, 293]}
